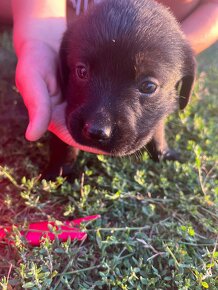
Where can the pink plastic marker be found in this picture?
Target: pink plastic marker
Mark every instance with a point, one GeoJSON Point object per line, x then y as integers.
{"type": "Point", "coordinates": [36, 231]}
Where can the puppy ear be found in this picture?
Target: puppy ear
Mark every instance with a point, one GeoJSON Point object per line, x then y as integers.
{"type": "Point", "coordinates": [185, 85]}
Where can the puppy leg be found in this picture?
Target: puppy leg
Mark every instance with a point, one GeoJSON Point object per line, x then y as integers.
{"type": "Point", "coordinates": [158, 148]}
{"type": "Point", "coordinates": [61, 160]}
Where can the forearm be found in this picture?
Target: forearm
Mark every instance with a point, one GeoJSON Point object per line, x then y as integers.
{"type": "Point", "coordinates": [38, 20]}
{"type": "Point", "coordinates": [201, 27]}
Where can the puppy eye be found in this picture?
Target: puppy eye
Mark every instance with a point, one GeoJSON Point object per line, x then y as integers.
{"type": "Point", "coordinates": [82, 71]}
{"type": "Point", "coordinates": [148, 87]}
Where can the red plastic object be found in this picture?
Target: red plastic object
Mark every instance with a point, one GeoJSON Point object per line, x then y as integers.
{"type": "Point", "coordinates": [36, 231]}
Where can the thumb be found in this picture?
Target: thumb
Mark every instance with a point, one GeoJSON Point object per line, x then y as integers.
{"type": "Point", "coordinates": [58, 124]}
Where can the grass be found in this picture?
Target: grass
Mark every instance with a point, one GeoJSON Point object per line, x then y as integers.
{"type": "Point", "coordinates": [159, 222]}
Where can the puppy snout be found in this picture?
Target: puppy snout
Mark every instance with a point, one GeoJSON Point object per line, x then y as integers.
{"type": "Point", "coordinates": [97, 132]}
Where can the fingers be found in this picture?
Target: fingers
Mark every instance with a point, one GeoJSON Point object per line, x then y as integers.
{"type": "Point", "coordinates": [36, 80]}
{"type": "Point", "coordinates": [37, 100]}
{"type": "Point", "coordinates": [39, 114]}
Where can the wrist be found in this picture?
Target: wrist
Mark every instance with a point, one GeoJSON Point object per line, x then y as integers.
{"type": "Point", "coordinates": [38, 20]}
{"type": "Point", "coordinates": [47, 31]}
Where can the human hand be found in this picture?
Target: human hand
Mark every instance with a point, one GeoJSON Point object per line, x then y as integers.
{"type": "Point", "coordinates": [37, 32]}
{"type": "Point", "coordinates": [36, 80]}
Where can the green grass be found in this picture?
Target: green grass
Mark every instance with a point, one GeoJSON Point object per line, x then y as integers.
{"type": "Point", "coordinates": [159, 222]}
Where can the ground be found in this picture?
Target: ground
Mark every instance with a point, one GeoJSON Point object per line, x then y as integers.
{"type": "Point", "coordinates": [159, 222]}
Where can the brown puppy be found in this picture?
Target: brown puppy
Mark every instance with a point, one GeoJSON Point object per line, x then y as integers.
{"type": "Point", "coordinates": [126, 66]}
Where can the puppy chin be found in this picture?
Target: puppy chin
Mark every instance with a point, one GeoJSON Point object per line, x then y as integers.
{"type": "Point", "coordinates": [87, 148]}
{"type": "Point", "coordinates": [125, 151]}
{"type": "Point", "coordinates": [131, 149]}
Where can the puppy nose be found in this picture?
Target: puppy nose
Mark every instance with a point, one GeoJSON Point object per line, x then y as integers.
{"type": "Point", "coordinates": [97, 132]}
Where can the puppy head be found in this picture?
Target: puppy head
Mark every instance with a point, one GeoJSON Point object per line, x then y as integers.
{"type": "Point", "coordinates": [122, 66]}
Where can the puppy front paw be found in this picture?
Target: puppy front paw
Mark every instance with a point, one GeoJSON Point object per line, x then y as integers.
{"type": "Point", "coordinates": [169, 154]}
{"type": "Point", "coordinates": [52, 172]}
